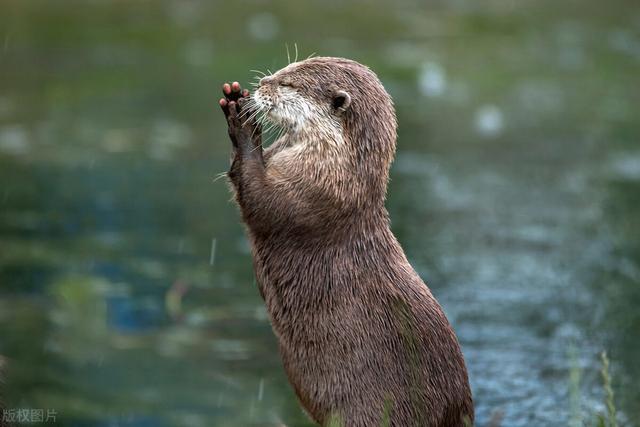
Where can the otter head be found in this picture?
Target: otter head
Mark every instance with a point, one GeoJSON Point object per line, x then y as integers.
{"type": "Point", "coordinates": [334, 113]}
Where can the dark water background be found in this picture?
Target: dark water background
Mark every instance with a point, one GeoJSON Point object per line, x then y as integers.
{"type": "Point", "coordinates": [126, 291]}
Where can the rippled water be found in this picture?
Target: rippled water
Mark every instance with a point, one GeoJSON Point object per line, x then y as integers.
{"type": "Point", "coordinates": [126, 291]}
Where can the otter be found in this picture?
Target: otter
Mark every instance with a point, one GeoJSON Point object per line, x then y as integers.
{"type": "Point", "coordinates": [362, 339]}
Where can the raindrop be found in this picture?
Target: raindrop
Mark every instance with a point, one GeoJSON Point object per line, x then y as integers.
{"type": "Point", "coordinates": [432, 79]}
{"type": "Point", "coordinates": [212, 257]}
{"type": "Point", "coordinates": [261, 390]}
{"type": "Point", "coordinates": [489, 121]}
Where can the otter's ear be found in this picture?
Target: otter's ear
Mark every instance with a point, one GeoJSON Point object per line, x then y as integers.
{"type": "Point", "coordinates": [341, 101]}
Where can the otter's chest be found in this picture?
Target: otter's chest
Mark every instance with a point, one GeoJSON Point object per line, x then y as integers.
{"type": "Point", "coordinates": [295, 297]}
{"type": "Point", "coordinates": [300, 290]}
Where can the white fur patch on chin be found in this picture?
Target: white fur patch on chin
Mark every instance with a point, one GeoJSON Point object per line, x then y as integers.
{"type": "Point", "coordinates": [307, 125]}
{"type": "Point", "coordinates": [292, 109]}
{"type": "Point", "coordinates": [276, 117]}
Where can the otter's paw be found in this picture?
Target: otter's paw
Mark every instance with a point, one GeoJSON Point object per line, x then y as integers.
{"type": "Point", "coordinates": [232, 92]}
{"type": "Point", "coordinates": [244, 134]}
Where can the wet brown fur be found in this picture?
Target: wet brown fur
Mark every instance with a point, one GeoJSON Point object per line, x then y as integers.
{"type": "Point", "coordinates": [361, 336]}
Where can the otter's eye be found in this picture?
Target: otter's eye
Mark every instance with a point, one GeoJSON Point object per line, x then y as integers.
{"type": "Point", "coordinates": [286, 84]}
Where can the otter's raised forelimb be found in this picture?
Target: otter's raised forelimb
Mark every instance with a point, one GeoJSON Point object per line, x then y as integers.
{"type": "Point", "coordinates": [247, 172]}
{"type": "Point", "coordinates": [244, 132]}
